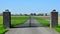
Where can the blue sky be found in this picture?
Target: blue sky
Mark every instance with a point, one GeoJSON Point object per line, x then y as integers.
{"type": "Point", "coordinates": [29, 6]}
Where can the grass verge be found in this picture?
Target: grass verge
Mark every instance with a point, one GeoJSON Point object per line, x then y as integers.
{"type": "Point", "coordinates": [57, 28]}
{"type": "Point", "coordinates": [2, 29]}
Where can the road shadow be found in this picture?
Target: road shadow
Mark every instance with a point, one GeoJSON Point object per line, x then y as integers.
{"type": "Point", "coordinates": [28, 25]}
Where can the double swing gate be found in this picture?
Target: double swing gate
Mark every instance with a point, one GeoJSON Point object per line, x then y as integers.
{"type": "Point", "coordinates": [7, 19]}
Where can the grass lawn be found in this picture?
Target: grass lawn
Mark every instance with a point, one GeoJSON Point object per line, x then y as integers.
{"type": "Point", "coordinates": [2, 30]}
{"type": "Point", "coordinates": [42, 21]}
{"type": "Point", "coordinates": [57, 28]}
{"type": "Point", "coordinates": [15, 20]}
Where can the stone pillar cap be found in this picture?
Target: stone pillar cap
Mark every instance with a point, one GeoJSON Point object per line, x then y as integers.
{"type": "Point", "coordinates": [7, 10]}
{"type": "Point", "coordinates": [54, 10]}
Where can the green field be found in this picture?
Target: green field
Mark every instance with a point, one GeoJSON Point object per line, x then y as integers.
{"type": "Point", "coordinates": [46, 23]}
{"type": "Point", "coordinates": [15, 20]}
{"type": "Point", "coordinates": [42, 21]}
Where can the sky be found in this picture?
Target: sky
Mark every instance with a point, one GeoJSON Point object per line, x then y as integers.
{"type": "Point", "coordinates": [29, 6]}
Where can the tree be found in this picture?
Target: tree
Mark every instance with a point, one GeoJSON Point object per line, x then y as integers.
{"type": "Point", "coordinates": [34, 14]}
{"type": "Point", "coordinates": [26, 14]}
{"type": "Point", "coordinates": [45, 14]}
{"type": "Point", "coordinates": [21, 14]}
{"type": "Point", "coordinates": [40, 14]}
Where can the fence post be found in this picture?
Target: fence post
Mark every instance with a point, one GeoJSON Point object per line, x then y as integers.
{"type": "Point", "coordinates": [54, 18]}
{"type": "Point", "coordinates": [7, 19]}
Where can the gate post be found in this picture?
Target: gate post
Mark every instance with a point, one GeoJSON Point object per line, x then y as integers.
{"type": "Point", "coordinates": [54, 18]}
{"type": "Point", "coordinates": [7, 19]}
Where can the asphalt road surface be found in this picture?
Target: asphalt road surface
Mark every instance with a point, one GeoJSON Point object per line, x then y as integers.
{"type": "Point", "coordinates": [31, 27]}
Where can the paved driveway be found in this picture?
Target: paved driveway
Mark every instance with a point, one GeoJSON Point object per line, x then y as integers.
{"type": "Point", "coordinates": [35, 28]}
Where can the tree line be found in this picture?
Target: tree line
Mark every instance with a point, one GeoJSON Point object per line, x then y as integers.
{"type": "Point", "coordinates": [32, 14]}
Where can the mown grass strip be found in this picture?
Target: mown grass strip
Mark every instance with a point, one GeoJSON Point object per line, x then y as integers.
{"type": "Point", "coordinates": [2, 29]}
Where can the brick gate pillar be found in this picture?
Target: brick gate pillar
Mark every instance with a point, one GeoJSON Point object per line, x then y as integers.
{"type": "Point", "coordinates": [54, 18]}
{"type": "Point", "coordinates": [7, 19]}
